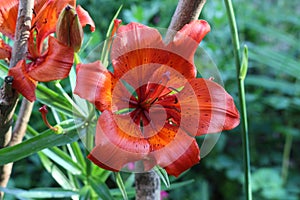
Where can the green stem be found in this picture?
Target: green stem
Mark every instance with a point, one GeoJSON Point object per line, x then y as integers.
{"type": "Point", "coordinates": [242, 100]}
{"type": "Point", "coordinates": [286, 156]}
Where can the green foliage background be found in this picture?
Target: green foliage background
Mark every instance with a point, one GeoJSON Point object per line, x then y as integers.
{"type": "Point", "coordinates": [271, 29]}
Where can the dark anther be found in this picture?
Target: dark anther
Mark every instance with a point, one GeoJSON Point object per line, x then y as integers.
{"type": "Point", "coordinates": [9, 79]}
{"type": "Point", "coordinates": [176, 100]}
{"type": "Point", "coordinates": [68, 7]}
{"type": "Point", "coordinates": [33, 11]}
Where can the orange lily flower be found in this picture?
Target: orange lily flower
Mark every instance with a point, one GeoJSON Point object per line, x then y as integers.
{"type": "Point", "coordinates": [46, 64]}
{"type": "Point", "coordinates": [152, 104]}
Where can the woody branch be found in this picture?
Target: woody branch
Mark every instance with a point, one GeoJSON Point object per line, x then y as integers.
{"type": "Point", "coordinates": [8, 96]}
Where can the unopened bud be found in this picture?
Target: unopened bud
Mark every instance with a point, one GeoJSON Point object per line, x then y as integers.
{"type": "Point", "coordinates": [68, 28]}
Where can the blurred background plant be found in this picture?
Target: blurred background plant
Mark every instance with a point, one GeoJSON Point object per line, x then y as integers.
{"type": "Point", "coordinates": [271, 29]}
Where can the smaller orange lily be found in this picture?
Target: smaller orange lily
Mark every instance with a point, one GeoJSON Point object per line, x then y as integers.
{"type": "Point", "coordinates": [52, 63]}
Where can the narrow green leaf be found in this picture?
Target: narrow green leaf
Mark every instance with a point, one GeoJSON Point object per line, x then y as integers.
{"type": "Point", "coordinates": [105, 50]}
{"type": "Point", "coordinates": [64, 160]}
{"type": "Point", "coordinates": [55, 100]}
{"type": "Point", "coordinates": [99, 174]}
{"type": "Point", "coordinates": [3, 71]}
{"type": "Point", "coordinates": [55, 172]}
{"type": "Point", "coordinates": [47, 139]}
{"type": "Point", "coordinates": [174, 186]}
{"type": "Point", "coordinates": [129, 181]}
{"type": "Point", "coordinates": [121, 185]}
{"type": "Point", "coordinates": [76, 153]}
{"type": "Point", "coordinates": [282, 63]}
{"type": "Point", "coordinates": [273, 84]}
{"type": "Point", "coordinates": [273, 32]}
{"type": "Point", "coordinates": [101, 189]}
{"type": "Point", "coordinates": [116, 193]}
{"type": "Point", "coordinates": [163, 175]}
{"type": "Point", "coordinates": [85, 193]}
{"type": "Point", "coordinates": [244, 65]}
{"type": "Point", "coordinates": [39, 193]}
{"type": "Point", "coordinates": [75, 108]}
{"type": "Point", "coordinates": [72, 77]}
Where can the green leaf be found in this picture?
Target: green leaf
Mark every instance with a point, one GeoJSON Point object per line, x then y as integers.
{"type": "Point", "coordinates": [273, 32]}
{"type": "Point", "coordinates": [3, 71]}
{"type": "Point", "coordinates": [101, 189]}
{"type": "Point", "coordinates": [47, 139]}
{"type": "Point", "coordinates": [116, 193]}
{"type": "Point", "coordinates": [76, 153]}
{"type": "Point", "coordinates": [163, 175]}
{"type": "Point", "coordinates": [55, 172]}
{"type": "Point", "coordinates": [77, 111]}
{"type": "Point", "coordinates": [129, 181]}
{"type": "Point", "coordinates": [55, 100]}
{"type": "Point", "coordinates": [266, 178]}
{"type": "Point", "coordinates": [39, 193]}
{"type": "Point", "coordinates": [72, 77]}
{"type": "Point", "coordinates": [272, 84]}
{"type": "Point", "coordinates": [105, 50]}
{"type": "Point", "coordinates": [64, 160]}
{"type": "Point", "coordinates": [99, 174]}
{"type": "Point", "coordinates": [121, 185]}
{"type": "Point", "coordinates": [283, 64]}
{"type": "Point", "coordinates": [85, 193]}
{"type": "Point", "coordinates": [174, 186]}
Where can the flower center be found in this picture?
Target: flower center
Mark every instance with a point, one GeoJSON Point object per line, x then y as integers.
{"type": "Point", "coordinates": [146, 97]}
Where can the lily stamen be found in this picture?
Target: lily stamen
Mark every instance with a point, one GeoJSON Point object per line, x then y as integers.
{"type": "Point", "coordinates": [43, 110]}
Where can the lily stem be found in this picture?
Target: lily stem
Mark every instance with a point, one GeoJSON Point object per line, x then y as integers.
{"type": "Point", "coordinates": [286, 157]}
{"type": "Point", "coordinates": [242, 100]}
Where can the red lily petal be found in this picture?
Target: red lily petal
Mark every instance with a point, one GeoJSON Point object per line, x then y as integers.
{"type": "Point", "coordinates": [121, 97]}
{"type": "Point", "coordinates": [54, 65]}
{"type": "Point", "coordinates": [135, 36]}
{"type": "Point", "coordinates": [132, 47]}
{"type": "Point", "coordinates": [186, 41]}
{"type": "Point", "coordinates": [163, 138]}
{"type": "Point", "coordinates": [5, 50]}
{"type": "Point", "coordinates": [190, 157]}
{"type": "Point", "coordinates": [114, 147]}
{"type": "Point", "coordinates": [93, 83]}
{"type": "Point", "coordinates": [174, 150]}
{"type": "Point", "coordinates": [22, 82]}
{"type": "Point", "coordinates": [8, 17]}
{"type": "Point", "coordinates": [136, 45]}
{"type": "Point", "coordinates": [196, 29]}
{"type": "Point", "coordinates": [208, 107]}
{"type": "Point", "coordinates": [85, 18]}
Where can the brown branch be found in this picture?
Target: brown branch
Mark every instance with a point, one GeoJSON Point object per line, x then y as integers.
{"type": "Point", "coordinates": [147, 186]}
{"type": "Point", "coordinates": [7, 106]}
{"type": "Point", "coordinates": [22, 122]}
{"type": "Point", "coordinates": [8, 96]}
{"type": "Point", "coordinates": [148, 183]}
{"type": "Point", "coordinates": [186, 11]}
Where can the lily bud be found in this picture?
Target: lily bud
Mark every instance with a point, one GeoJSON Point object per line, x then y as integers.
{"type": "Point", "coordinates": [68, 28]}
